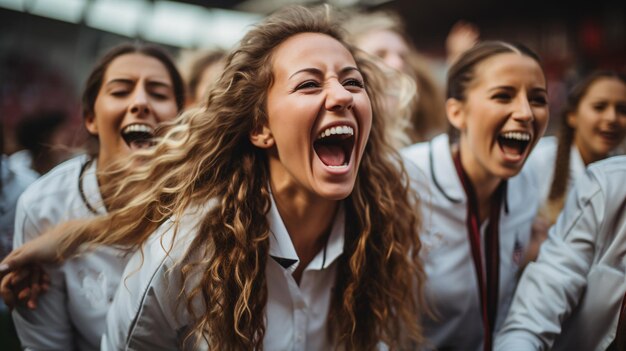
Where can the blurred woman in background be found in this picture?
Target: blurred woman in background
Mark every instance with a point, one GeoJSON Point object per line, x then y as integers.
{"type": "Point", "coordinates": [412, 117]}
{"type": "Point", "coordinates": [592, 126]}
{"type": "Point", "coordinates": [129, 93]}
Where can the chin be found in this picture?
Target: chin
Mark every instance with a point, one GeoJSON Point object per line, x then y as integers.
{"type": "Point", "coordinates": [335, 192]}
{"type": "Point", "coordinates": [508, 172]}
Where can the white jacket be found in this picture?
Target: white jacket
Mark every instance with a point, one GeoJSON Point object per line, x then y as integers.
{"type": "Point", "coordinates": [570, 298]}
{"type": "Point", "coordinates": [452, 287]}
{"type": "Point", "coordinates": [71, 315]}
{"type": "Point", "coordinates": [149, 314]}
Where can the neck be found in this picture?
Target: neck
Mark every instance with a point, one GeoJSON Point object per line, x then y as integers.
{"type": "Point", "coordinates": [308, 219]}
{"type": "Point", "coordinates": [483, 182]}
{"type": "Point", "coordinates": [587, 156]}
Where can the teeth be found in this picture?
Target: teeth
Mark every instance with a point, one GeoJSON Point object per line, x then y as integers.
{"type": "Point", "coordinates": [137, 128]}
{"type": "Point", "coordinates": [517, 136]}
{"type": "Point", "coordinates": [338, 130]}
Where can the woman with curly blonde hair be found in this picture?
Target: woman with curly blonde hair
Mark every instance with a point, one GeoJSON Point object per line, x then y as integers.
{"type": "Point", "coordinates": [283, 218]}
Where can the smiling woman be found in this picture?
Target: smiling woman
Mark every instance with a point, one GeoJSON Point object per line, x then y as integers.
{"type": "Point", "coordinates": [128, 94]}
{"type": "Point", "coordinates": [478, 205]}
{"type": "Point", "coordinates": [275, 216]}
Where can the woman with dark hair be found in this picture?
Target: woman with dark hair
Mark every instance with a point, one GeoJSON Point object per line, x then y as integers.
{"type": "Point", "coordinates": [275, 216]}
{"type": "Point", "coordinates": [478, 208]}
{"type": "Point", "coordinates": [130, 91]}
{"type": "Point", "coordinates": [592, 126]}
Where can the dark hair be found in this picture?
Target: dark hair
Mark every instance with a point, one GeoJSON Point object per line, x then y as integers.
{"type": "Point", "coordinates": [559, 184]}
{"type": "Point", "coordinates": [198, 67]}
{"type": "Point", "coordinates": [462, 72]}
{"type": "Point", "coordinates": [94, 81]}
{"type": "Point", "coordinates": [35, 130]}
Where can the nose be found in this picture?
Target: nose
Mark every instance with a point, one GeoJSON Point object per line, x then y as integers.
{"type": "Point", "coordinates": [610, 115]}
{"type": "Point", "coordinates": [139, 104]}
{"type": "Point", "coordinates": [338, 97]}
{"type": "Point", "coordinates": [523, 112]}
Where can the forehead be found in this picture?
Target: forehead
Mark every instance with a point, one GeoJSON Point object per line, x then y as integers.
{"type": "Point", "coordinates": [306, 50]}
{"type": "Point", "coordinates": [382, 39]}
{"type": "Point", "coordinates": [607, 87]}
{"type": "Point", "coordinates": [136, 65]}
{"type": "Point", "coordinates": [509, 69]}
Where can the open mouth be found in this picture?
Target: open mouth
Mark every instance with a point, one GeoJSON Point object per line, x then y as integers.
{"type": "Point", "coordinates": [514, 143]}
{"type": "Point", "coordinates": [610, 136]}
{"type": "Point", "coordinates": [138, 136]}
{"type": "Point", "coordinates": [334, 146]}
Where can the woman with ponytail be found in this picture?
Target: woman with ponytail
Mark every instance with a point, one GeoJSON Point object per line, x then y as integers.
{"type": "Point", "coordinates": [592, 126]}
{"type": "Point", "coordinates": [477, 204]}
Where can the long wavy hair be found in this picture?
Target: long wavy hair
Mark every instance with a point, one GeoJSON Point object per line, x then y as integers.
{"type": "Point", "coordinates": [206, 154]}
{"type": "Point", "coordinates": [558, 188]}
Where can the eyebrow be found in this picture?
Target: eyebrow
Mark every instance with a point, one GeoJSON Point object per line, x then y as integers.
{"type": "Point", "coordinates": [508, 87]}
{"type": "Point", "coordinates": [153, 83]}
{"type": "Point", "coordinates": [317, 71]}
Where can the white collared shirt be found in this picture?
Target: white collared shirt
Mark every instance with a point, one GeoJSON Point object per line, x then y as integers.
{"type": "Point", "coordinates": [541, 163]}
{"type": "Point", "coordinates": [145, 314]}
{"type": "Point", "coordinates": [570, 298]}
{"type": "Point", "coordinates": [451, 288]}
{"type": "Point", "coordinates": [71, 314]}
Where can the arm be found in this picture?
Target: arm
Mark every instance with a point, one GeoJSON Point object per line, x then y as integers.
{"type": "Point", "coordinates": [551, 287]}
{"type": "Point", "coordinates": [49, 326]}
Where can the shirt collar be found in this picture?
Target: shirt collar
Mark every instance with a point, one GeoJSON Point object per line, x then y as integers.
{"type": "Point", "coordinates": [283, 251]}
{"type": "Point", "coordinates": [91, 189]}
{"type": "Point", "coordinates": [443, 171]}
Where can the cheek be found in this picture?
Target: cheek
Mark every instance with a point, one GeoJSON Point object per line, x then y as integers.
{"type": "Point", "coordinates": [166, 111]}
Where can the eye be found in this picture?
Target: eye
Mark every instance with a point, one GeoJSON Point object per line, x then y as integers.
{"type": "Point", "coordinates": [502, 96]}
{"type": "Point", "coordinates": [120, 93]}
{"type": "Point", "coordinates": [621, 109]}
{"type": "Point", "coordinates": [599, 107]}
{"type": "Point", "coordinates": [539, 100]}
{"type": "Point", "coordinates": [159, 95]}
{"type": "Point", "coordinates": [353, 82]}
{"type": "Point", "coordinates": [309, 84]}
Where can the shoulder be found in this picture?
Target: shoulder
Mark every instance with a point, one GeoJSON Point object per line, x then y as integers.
{"type": "Point", "coordinates": [55, 184]}
{"type": "Point", "coordinates": [608, 175]}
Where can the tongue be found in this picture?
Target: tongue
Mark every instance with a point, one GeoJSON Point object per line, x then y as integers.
{"type": "Point", "coordinates": [140, 144]}
{"type": "Point", "coordinates": [331, 155]}
{"type": "Point", "coordinates": [511, 148]}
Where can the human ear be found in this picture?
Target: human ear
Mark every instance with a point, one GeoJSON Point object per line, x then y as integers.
{"type": "Point", "coordinates": [571, 120]}
{"type": "Point", "coordinates": [455, 113]}
{"type": "Point", "coordinates": [262, 137]}
{"type": "Point", "coordinates": [90, 124]}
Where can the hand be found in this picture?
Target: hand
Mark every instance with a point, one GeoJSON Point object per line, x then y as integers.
{"type": "Point", "coordinates": [23, 286]}
{"type": "Point", "coordinates": [43, 249]}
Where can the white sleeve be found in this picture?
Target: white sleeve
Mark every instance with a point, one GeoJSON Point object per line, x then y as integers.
{"type": "Point", "coordinates": [48, 327]}
{"type": "Point", "coordinates": [143, 314]}
{"type": "Point", "coordinates": [551, 287]}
